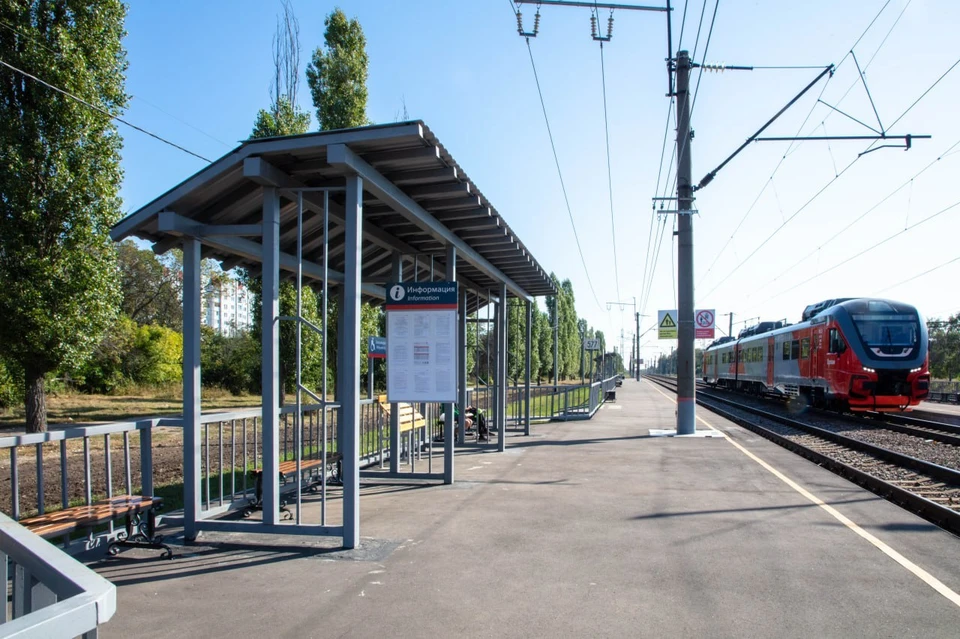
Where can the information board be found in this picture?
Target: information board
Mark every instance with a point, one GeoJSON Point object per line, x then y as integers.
{"type": "Point", "coordinates": [591, 344]}
{"type": "Point", "coordinates": [422, 341]}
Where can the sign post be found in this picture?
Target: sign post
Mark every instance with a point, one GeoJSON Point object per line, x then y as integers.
{"type": "Point", "coordinates": [376, 349]}
{"type": "Point", "coordinates": [422, 325]}
{"type": "Point", "coordinates": [591, 345]}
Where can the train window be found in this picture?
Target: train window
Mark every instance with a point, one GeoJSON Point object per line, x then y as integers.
{"type": "Point", "coordinates": [805, 348]}
{"type": "Point", "coordinates": [795, 349]}
{"type": "Point", "coordinates": [786, 350]}
{"type": "Point", "coordinates": [837, 345]}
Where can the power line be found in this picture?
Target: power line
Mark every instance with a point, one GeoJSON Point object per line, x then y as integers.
{"type": "Point", "coordinates": [563, 186]}
{"type": "Point", "coordinates": [606, 130]}
{"type": "Point", "coordinates": [104, 111]}
{"type": "Point", "coordinates": [863, 215]}
{"type": "Point", "coordinates": [706, 48]}
{"type": "Point", "coordinates": [800, 128]}
{"type": "Point", "coordinates": [37, 41]}
{"type": "Point", "coordinates": [910, 279]}
{"type": "Point", "coordinates": [870, 248]}
{"type": "Point", "coordinates": [828, 184]}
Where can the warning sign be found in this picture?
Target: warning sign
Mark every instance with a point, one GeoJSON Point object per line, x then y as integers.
{"type": "Point", "coordinates": [667, 324]}
{"type": "Point", "coordinates": [705, 320]}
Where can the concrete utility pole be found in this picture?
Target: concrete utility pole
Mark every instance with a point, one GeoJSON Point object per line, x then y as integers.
{"type": "Point", "coordinates": [686, 386]}
{"type": "Point", "coordinates": [636, 315]}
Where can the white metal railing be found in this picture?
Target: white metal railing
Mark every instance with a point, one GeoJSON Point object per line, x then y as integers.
{"type": "Point", "coordinates": [54, 595]}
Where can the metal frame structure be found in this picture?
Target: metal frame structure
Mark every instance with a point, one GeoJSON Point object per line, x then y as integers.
{"type": "Point", "coordinates": [380, 197]}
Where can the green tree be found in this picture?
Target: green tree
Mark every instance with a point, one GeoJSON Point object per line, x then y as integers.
{"type": "Point", "coordinates": [337, 75]}
{"type": "Point", "coordinates": [59, 184]}
{"type": "Point", "coordinates": [151, 286]}
{"type": "Point", "coordinates": [944, 351]}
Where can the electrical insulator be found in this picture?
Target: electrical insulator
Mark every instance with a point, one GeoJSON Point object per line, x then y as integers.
{"type": "Point", "coordinates": [610, 27]}
{"type": "Point", "coordinates": [520, 23]}
{"type": "Point", "coordinates": [593, 26]}
{"type": "Point", "coordinates": [536, 23]}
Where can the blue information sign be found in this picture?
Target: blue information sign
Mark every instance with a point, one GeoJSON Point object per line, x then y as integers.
{"type": "Point", "coordinates": [421, 296]}
{"type": "Point", "coordinates": [377, 347]}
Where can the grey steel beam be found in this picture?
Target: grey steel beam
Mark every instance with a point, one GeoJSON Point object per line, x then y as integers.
{"type": "Point", "coordinates": [396, 273]}
{"type": "Point", "coordinates": [526, 367]}
{"type": "Point", "coordinates": [191, 386]}
{"type": "Point", "coordinates": [179, 225]}
{"type": "Point", "coordinates": [418, 154]}
{"type": "Point", "coordinates": [449, 429]}
{"type": "Point", "coordinates": [462, 364]}
{"type": "Point", "coordinates": [223, 168]}
{"type": "Point", "coordinates": [341, 155]}
{"type": "Point", "coordinates": [440, 190]}
{"type": "Point", "coordinates": [401, 178]}
{"type": "Point", "coordinates": [503, 354]}
{"type": "Point", "coordinates": [270, 355]}
{"type": "Point", "coordinates": [350, 397]}
{"type": "Point", "coordinates": [261, 171]}
{"type": "Point", "coordinates": [455, 203]}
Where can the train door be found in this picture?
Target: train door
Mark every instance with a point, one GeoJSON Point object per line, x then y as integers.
{"type": "Point", "coordinates": [770, 362]}
{"type": "Point", "coordinates": [816, 354]}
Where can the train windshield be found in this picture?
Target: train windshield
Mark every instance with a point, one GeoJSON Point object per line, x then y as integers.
{"type": "Point", "coordinates": [888, 334]}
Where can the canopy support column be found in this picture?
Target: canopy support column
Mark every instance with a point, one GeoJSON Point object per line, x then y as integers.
{"type": "Point", "coordinates": [462, 365]}
{"type": "Point", "coordinates": [191, 386]}
{"type": "Point", "coordinates": [270, 359]}
{"type": "Point", "coordinates": [502, 368]}
{"type": "Point", "coordinates": [449, 429]}
{"type": "Point", "coordinates": [526, 367]}
{"type": "Point", "coordinates": [350, 329]}
{"type": "Point", "coordinates": [396, 271]}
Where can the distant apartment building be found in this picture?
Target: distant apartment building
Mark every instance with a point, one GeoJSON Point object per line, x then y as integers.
{"type": "Point", "coordinates": [225, 306]}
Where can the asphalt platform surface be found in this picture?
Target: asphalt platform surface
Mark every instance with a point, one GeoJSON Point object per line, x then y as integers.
{"type": "Point", "coordinates": [585, 529]}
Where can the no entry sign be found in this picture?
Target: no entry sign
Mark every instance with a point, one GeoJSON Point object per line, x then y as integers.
{"type": "Point", "coordinates": [705, 321]}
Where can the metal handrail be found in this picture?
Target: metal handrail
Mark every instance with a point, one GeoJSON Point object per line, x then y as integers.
{"type": "Point", "coordinates": [54, 594]}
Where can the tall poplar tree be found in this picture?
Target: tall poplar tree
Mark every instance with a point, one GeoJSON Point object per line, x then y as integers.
{"type": "Point", "coordinates": [59, 182]}
{"type": "Point", "coordinates": [337, 74]}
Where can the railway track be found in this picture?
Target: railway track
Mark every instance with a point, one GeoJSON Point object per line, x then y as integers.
{"type": "Point", "coordinates": [928, 489]}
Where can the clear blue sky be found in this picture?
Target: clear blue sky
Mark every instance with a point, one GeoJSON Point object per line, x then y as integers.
{"type": "Point", "coordinates": [200, 71]}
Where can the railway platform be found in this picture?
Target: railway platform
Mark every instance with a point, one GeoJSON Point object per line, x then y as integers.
{"type": "Point", "coordinates": [587, 528]}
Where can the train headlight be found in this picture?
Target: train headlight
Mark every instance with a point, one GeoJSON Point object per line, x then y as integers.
{"type": "Point", "coordinates": [916, 370]}
{"type": "Point", "coordinates": [869, 370]}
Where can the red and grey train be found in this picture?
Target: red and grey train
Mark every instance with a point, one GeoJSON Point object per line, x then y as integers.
{"type": "Point", "coordinates": [852, 354]}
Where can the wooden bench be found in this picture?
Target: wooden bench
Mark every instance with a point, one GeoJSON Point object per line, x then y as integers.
{"type": "Point", "coordinates": [288, 469]}
{"type": "Point", "coordinates": [139, 531]}
{"type": "Point", "coordinates": [407, 416]}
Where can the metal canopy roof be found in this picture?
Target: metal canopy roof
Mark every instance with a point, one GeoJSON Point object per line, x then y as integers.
{"type": "Point", "coordinates": [417, 199]}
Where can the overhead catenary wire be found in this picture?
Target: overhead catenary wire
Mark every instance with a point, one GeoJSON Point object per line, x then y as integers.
{"type": "Point", "coordinates": [832, 181]}
{"type": "Point", "coordinates": [563, 187]}
{"type": "Point", "coordinates": [796, 144]}
{"type": "Point", "coordinates": [37, 41]}
{"type": "Point", "coordinates": [103, 111]}
{"type": "Point", "coordinates": [870, 248]}
{"type": "Point", "coordinates": [836, 235]}
{"type": "Point", "coordinates": [606, 131]}
{"type": "Point", "coordinates": [918, 275]}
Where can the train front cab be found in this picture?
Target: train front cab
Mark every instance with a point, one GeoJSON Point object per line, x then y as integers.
{"type": "Point", "coordinates": [874, 355]}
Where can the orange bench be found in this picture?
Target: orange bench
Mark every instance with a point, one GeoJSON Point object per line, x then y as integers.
{"type": "Point", "coordinates": [139, 531]}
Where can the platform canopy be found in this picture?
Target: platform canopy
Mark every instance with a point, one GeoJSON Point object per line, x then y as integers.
{"type": "Point", "coordinates": [417, 200]}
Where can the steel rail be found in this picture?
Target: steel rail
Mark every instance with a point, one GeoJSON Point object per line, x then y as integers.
{"type": "Point", "coordinates": [938, 514]}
